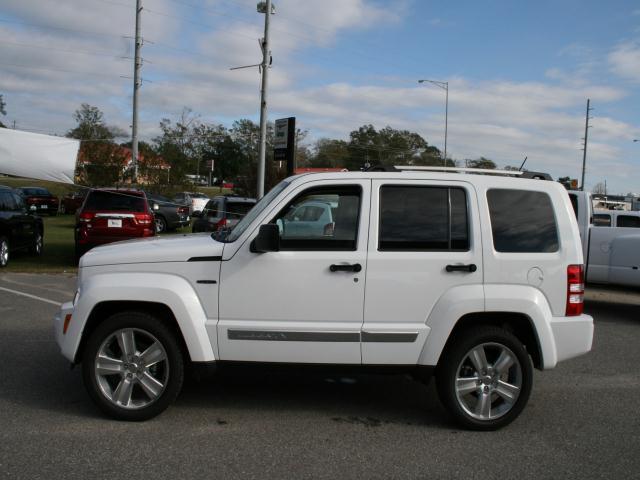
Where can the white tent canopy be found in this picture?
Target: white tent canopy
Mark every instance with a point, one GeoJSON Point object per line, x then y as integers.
{"type": "Point", "coordinates": [42, 157]}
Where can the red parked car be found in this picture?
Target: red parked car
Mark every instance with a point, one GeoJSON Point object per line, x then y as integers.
{"type": "Point", "coordinates": [39, 200]}
{"type": "Point", "coordinates": [110, 215]}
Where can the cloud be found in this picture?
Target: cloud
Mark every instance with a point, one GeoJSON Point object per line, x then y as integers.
{"type": "Point", "coordinates": [624, 61]}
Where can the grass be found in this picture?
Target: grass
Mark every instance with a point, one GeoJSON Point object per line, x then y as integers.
{"type": "Point", "coordinates": [58, 189]}
{"type": "Point", "coordinates": [58, 255]}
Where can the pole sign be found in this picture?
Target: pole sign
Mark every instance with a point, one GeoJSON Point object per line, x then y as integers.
{"type": "Point", "coordinates": [284, 142]}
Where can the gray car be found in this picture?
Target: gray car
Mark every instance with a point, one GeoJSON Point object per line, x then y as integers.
{"type": "Point", "coordinates": [168, 215]}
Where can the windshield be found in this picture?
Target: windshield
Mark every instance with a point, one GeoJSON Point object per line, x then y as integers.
{"type": "Point", "coordinates": [36, 191]}
{"type": "Point", "coordinates": [242, 225]}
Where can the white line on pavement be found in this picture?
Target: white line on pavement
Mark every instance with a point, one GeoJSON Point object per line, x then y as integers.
{"type": "Point", "coordinates": [28, 295]}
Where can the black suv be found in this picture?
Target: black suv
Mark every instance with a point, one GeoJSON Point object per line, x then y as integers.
{"type": "Point", "coordinates": [18, 228]}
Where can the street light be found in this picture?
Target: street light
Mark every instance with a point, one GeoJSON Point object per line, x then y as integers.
{"type": "Point", "coordinates": [445, 87]}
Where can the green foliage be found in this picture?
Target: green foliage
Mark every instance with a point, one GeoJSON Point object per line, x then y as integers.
{"type": "Point", "coordinates": [100, 161]}
{"type": "Point", "coordinates": [481, 162]}
{"type": "Point", "coordinates": [368, 146]}
{"type": "Point", "coordinates": [3, 111]}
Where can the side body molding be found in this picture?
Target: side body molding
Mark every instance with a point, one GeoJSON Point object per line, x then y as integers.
{"type": "Point", "coordinates": [171, 290]}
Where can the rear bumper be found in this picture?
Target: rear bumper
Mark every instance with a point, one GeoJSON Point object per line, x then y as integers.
{"type": "Point", "coordinates": [573, 336]}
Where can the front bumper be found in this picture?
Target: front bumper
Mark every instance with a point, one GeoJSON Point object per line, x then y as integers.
{"type": "Point", "coordinates": [63, 339]}
{"type": "Point", "coordinates": [573, 336]}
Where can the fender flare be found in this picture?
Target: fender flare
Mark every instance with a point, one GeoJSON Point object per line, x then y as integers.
{"type": "Point", "coordinates": [468, 299]}
{"type": "Point", "coordinates": [170, 290]}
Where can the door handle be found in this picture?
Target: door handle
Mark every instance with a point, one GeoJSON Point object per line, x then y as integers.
{"type": "Point", "coordinates": [461, 268]}
{"type": "Point", "coordinates": [356, 267]}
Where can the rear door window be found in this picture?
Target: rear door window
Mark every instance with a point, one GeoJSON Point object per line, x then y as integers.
{"type": "Point", "coordinates": [601, 220]}
{"type": "Point", "coordinates": [417, 218]}
{"type": "Point", "coordinates": [628, 221]}
{"type": "Point", "coordinates": [522, 221]}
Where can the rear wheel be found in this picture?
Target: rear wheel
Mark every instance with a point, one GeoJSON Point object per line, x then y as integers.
{"type": "Point", "coordinates": [4, 251]}
{"type": "Point", "coordinates": [484, 378]}
{"type": "Point", "coordinates": [132, 366]}
{"type": "Point", "coordinates": [161, 224]}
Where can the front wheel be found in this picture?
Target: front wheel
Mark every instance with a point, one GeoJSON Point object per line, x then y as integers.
{"type": "Point", "coordinates": [484, 378]}
{"type": "Point", "coordinates": [38, 242]}
{"type": "Point", "coordinates": [4, 251]}
{"type": "Point", "coordinates": [133, 366]}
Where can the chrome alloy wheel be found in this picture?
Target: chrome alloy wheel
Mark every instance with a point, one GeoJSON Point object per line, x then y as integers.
{"type": "Point", "coordinates": [4, 253]}
{"type": "Point", "coordinates": [131, 368]}
{"type": "Point", "coordinates": [488, 381]}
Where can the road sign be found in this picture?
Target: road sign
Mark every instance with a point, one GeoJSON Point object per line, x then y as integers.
{"type": "Point", "coordinates": [284, 142]}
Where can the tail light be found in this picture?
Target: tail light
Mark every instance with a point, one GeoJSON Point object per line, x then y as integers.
{"type": "Point", "coordinates": [86, 217]}
{"type": "Point", "coordinates": [144, 218]}
{"type": "Point", "coordinates": [183, 210]}
{"type": "Point", "coordinates": [575, 290]}
{"type": "Point", "coordinates": [31, 200]}
{"type": "Point", "coordinates": [221, 224]}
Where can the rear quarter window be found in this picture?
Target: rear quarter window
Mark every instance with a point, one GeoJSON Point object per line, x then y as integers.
{"type": "Point", "coordinates": [522, 221]}
{"type": "Point", "coordinates": [629, 221]}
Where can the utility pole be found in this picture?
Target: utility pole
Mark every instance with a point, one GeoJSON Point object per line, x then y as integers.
{"type": "Point", "coordinates": [266, 60]}
{"type": "Point", "coordinates": [445, 87]}
{"type": "Point", "coordinates": [136, 86]}
{"type": "Point", "coordinates": [586, 136]}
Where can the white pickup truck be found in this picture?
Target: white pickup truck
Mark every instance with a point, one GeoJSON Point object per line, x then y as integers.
{"type": "Point", "coordinates": [612, 254]}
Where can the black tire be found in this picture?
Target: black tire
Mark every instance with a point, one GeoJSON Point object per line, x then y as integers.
{"type": "Point", "coordinates": [160, 224]}
{"type": "Point", "coordinates": [4, 252]}
{"type": "Point", "coordinates": [38, 245]}
{"type": "Point", "coordinates": [143, 324]}
{"type": "Point", "coordinates": [456, 363]}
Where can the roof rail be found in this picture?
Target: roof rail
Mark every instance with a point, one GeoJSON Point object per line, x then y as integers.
{"type": "Point", "coordinates": [482, 171]}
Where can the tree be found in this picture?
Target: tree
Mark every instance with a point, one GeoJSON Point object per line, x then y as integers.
{"type": "Point", "coordinates": [100, 160]}
{"type": "Point", "coordinates": [389, 146]}
{"type": "Point", "coordinates": [599, 188]}
{"type": "Point", "coordinates": [481, 162]}
{"type": "Point", "coordinates": [2, 110]}
{"type": "Point", "coordinates": [329, 153]}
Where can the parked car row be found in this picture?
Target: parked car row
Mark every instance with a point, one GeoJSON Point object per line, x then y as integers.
{"type": "Point", "coordinates": [109, 215]}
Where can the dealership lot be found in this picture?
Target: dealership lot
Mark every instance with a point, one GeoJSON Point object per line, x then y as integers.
{"type": "Point", "coordinates": [582, 420]}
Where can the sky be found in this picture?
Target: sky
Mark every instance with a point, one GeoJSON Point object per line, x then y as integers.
{"type": "Point", "coordinates": [519, 72]}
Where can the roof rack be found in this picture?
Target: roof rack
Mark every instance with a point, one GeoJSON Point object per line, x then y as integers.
{"type": "Point", "coordinates": [481, 171]}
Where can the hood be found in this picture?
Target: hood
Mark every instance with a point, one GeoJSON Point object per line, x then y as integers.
{"type": "Point", "coordinates": [174, 248]}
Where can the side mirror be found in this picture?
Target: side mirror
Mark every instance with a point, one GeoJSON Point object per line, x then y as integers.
{"type": "Point", "coordinates": [268, 239]}
{"type": "Point", "coordinates": [156, 206]}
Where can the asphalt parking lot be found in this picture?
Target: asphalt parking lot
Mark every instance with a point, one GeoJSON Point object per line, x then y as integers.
{"type": "Point", "coordinates": [582, 421]}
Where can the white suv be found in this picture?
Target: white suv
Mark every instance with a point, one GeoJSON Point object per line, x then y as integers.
{"type": "Point", "coordinates": [474, 278]}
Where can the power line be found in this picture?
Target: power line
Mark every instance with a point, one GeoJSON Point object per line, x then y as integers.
{"type": "Point", "coordinates": [64, 29]}
{"type": "Point", "coordinates": [35, 67]}
{"type": "Point", "coordinates": [44, 47]}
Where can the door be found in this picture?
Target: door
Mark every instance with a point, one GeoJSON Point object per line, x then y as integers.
{"type": "Point", "coordinates": [424, 241]}
{"type": "Point", "coordinates": [304, 303]}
